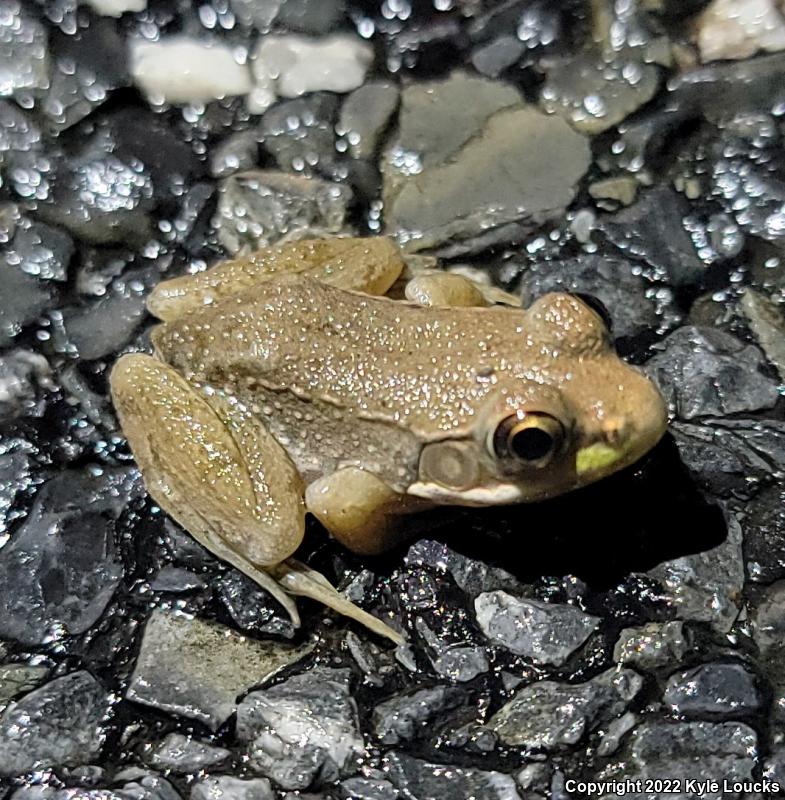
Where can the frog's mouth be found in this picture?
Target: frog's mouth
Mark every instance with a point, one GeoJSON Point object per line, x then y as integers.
{"type": "Point", "coordinates": [449, 481]}
{"type": "Point", "coordinates": [479, 496]}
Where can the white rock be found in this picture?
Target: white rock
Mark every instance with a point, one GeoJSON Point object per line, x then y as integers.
{"type": "Point", "coordinates": [733, 29]}
{"type": "Point", "coordinates": [184, 70]}
{"type": "Point", "coordinates": [116, 8]}
{"type": "Point", "coordinates": [290, 66]}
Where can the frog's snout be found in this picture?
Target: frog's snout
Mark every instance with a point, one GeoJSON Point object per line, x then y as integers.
{"type": "Point", "coordinates": [625, 436]}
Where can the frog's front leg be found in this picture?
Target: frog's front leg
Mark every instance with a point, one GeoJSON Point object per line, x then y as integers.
{"type": "Point", "coordinates": [215, 468]}
{"type": "Point", "coordinates": [360, 510]}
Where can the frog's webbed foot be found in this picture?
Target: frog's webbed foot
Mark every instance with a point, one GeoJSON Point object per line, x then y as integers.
{"type": "Point", "coordinates": [297, 578]}
{"type": "Point", "coordinates": [369, 265]}
{"type": "Point", "coordinates": [218, 471]}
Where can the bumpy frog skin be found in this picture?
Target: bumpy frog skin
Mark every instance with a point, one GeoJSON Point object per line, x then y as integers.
{"type": "Point", "coordinates": [286, 383]}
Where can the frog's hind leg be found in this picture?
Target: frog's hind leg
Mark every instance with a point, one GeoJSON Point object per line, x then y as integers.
{"type": "Point", "coordinates": [219, 473]}
{"type": "Point", "coordinates": [368, 265]}
{"type": "Point", "coordinates": [427, 286]}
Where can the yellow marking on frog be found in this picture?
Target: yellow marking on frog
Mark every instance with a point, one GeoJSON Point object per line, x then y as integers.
{"type": "Point", "coordinates": [597, 456]}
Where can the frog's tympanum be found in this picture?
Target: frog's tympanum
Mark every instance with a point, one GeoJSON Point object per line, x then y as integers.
{"type": "Point", "coordinates": [286, 383]}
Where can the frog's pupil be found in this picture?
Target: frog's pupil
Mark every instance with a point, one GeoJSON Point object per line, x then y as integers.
{"type": "Point", "coordinates": [531, 444]}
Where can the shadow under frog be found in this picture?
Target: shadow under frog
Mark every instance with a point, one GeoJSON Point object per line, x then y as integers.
{"type": "Point", "coordinates": [648, 513]}
{"type": "Point", "coordinates": [293, 381]}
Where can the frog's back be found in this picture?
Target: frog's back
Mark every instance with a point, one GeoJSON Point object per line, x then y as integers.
{"type": "Point", "coordinates": [424, 367]}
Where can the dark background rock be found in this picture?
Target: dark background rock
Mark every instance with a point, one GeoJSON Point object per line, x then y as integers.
{"type": "Point", "coordinates": [672, 217]}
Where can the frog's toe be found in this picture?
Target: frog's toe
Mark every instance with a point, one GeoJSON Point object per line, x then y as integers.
{"type": "Point", "coordinates": [297, 578]}
{"type": "Point", "coordinates": [212, 467]}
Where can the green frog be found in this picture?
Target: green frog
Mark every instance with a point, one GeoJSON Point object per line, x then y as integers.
{"type": "Point", "coordinates": [304, 379]}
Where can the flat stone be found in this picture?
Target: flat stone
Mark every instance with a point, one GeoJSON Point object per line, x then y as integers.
{"type": "Point", "coordinates": [738, 163]}
{"type": "Point", "coordinates": [17, 679]}
{"type": "Point", "coordinates": [764, 536]}
{"type": "Point", "coordinates": [622, 188]}
{"type": "Point", "coordinates": [707, 587]}
{"type": "Point", "coordinates": [225, 787]}
{"type": "Point", "coordinates": [706, 372]}
{"type": "Point", "coordinates": [68, 542]}
{"type": "Point", "coordinates": [471, 575]}
{"type": "Point", "coordinates": [523, 168]}
{"type": "Point", "coordinates": [368, 789]}
{"type": "Point", "coordinates": [291, 66]}
{"type": "Point", "coordinates": [549, 716]}
{"type": "Point", "coordinates": [734, 29]}
{"type": "Point", "coordinates": [86, 67]}
{"type": "Point", "coordinates": [257, 209]}
{"type": "Point", "coordinates": [547, 633]}
{"type": "Point", "coordinates": [732, 457]}
{"type": "Point", "coordinates": [408, 716]}
{"type": "Point", "coordinates": [688, 750]}
{"type": "Point", "coordinates": [304, 730]}
{"type": "Point", "coordinates": [614, 732]}
{"type": "Point", "coordinates": [116, 8]}
{"type": "Point", "coordinates": [768, 326]}
{"type": "Point", "coordinates": [493, 58]}
{"type": "Point", "coordinates": [309, 16]}
{"type": "Point", "coordinates": [176, 580]}
{"type": "Point", "coordinates": [438, 118]}
{"type": "Point", "coordinates": [238, 152]}
{"type": "Point", "coordinates": [652, 646]}
{"type": "Point", "coordinates": [98, 196]}
{"type": "Point", "coordinates": [726, 690]}
{"type": "Point", "coordinates": [23, 373]}
{"type": "Point", "coordinates": [23, 50]}
{"type": "Point", "coordinates": [197, 669]}
{"type": "Point", "coordinates": [653, 230]}
{"type": "Point", "coordinates": [594, 93]}
{"type": "Point", "coordinates": [40, 250]}
{"type": "Point", "coordinates": [769, 619]}
{"type": "Point", "coordinates": [19, 134]}
{"type": "Point", "coordinates": [423, 780]}
{"type": "Point", "coordinates": [300, 134]}
{"type": "Point", "coordinates": [18, 476]}
{"type": "Point", "coordinates": [60, 724]}
{"type": "Point", "coordinates": [145, 786]}
{"type": "Point", "coordinates": [365, 114]}
{"type": "Point", "coordinates": [452, 656]}
{"type": "Point", "coordinates": [23, 298]}
{"type": "Point", "coordinates": [179, 69]}
{"type": "Point", "coordinates": [183, 754]}
{"type": "Point", "coordinates": [102, 327]}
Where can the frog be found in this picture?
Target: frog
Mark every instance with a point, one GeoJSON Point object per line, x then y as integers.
{"type": "Point", "coordinates": [325, 377]}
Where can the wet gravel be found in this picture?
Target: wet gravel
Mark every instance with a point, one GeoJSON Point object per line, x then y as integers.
{"type": "Point", "coordinates": [632, 630]}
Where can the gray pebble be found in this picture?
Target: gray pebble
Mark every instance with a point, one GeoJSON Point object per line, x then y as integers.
{"type": "Point", "coordinates": [548, 633]}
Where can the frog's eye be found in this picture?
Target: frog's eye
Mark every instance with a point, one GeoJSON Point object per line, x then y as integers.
{"type": "Point", "coordinates": [532, 438]}
{"type": "Point", "coordinates": [597, 306]}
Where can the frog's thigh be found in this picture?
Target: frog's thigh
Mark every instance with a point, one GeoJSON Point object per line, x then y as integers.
{"type": "Point", "coordinates": [358, 509]}
{"type": "Point", "coordinates": [215, 469]}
